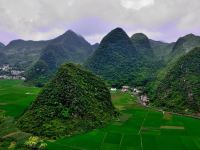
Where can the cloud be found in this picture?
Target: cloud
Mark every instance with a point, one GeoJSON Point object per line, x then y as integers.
{"type": "Point", "coordinates": [43, 19]}
{"type": "Point", "coordinates": [136, 4]}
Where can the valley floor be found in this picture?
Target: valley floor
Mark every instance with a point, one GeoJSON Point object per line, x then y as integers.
{"type": "Point", "coordinates": [138, 128]}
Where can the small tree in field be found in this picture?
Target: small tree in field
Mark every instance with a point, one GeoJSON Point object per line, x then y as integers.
{"type": "Point", "coordinates": [35, 143]}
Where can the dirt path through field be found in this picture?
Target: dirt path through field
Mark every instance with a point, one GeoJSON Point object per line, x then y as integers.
{"type": "Point", "coordinates": [10, 134]}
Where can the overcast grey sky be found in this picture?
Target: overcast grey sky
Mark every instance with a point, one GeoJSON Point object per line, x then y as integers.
{"type": "Point", "coordinates": [164, 20]}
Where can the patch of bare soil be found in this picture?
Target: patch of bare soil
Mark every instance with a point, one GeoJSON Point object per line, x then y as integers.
{"type": "Point", "coordinates": [2, 104]}
{"type": "Point", "coordinates": [167, 116]}
{"type": "Point", "coordinates": [172, 127]}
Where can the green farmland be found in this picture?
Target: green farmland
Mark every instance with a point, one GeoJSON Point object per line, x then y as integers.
{"type": "Point", "coordinates": [137, 128]}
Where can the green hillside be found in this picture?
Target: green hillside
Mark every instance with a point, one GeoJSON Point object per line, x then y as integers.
{"type": "Point", "coordinates": [68, 47]}
{"type": "Point", "coordinates": [69, 104]}
{"type": "Point", "coordinates": [22, 54]}
{"type": "Point", "coordinates": [184, 44]}
{"type": "Point", "coordinates": [142, 44]}
{"type": "Point", "coordinates": [147, 60]}
{"type": "Point", "coordinates": [170, 54]}
{"type": "Point", "coordinates": [121, 60]}
{"type": "Point", "coordinates": [161, 49]}
{"type": "Point", "coordinates": [137, 127]}
{"type": "Point", "coordinates": [114, 57]}
{"type": "Point", "coordinates": [179, 90]}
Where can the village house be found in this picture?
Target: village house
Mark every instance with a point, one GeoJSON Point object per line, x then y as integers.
{"type": "Point", "coordinates": [9, 73]}
{"type": "Point", "coordinates": [12, 77]}
{"type": "Point", "coordinates": [113, 89]}
{"type": "Point", "coordinates": [136, 91]}
{"type": "Point", "coordinates": [144, 100]}
{"type": "Point", "coordinates": [125, 88]}
{"type": "Point", "coordinates": [16, 72]}
{"type": "Point", "coordinates": [5, 67]}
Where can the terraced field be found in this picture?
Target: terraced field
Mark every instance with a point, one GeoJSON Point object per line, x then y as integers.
{"type": "Point", "coordinates": [137, 128]}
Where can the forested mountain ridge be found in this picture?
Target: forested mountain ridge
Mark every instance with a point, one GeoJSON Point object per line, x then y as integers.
{"type": "Point", "coordinates": [1, 45]}
{"type": "Point", "coordinates": [184, 44]}
{"type": "Point", "coordinates": [122, 60]}
{"type": "Point", "coordinates": [172, 53]}
{"type": "Point", "coordinates": [22, 54]}
{"type": "Point", "coordinates": [148, 61]}
{"type": "Point", "coordinates": [161, 49]}
{"type": "Point", "coordinates": [2, 55]}
{"type": "Point", "coordinates": [142, 44]}
{"type": "Point", "coordinates": [114, 57]}
{"type": "Point", "coordinates": [179, 90]}
{"type": "Point", "coordinates": [69, 47]}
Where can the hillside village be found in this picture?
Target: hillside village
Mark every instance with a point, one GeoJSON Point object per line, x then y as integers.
{"type": "Point", "coordinates": [142, 97]}
{"type": "Point", "coordinates": [8, 72]}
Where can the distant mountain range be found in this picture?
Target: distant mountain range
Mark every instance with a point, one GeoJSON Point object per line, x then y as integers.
{"type": "Point", "coordinates": [161, 49]}
{"type": "Point", "coordinates": [1, 45]}
{"type": "Point", "coordinates": [68, 47]}
{"type": "Point", "coordinates": [23, 54]}
{"type": "Point", "coordinates": [168, 72]}
{"type": "Point", "coordinates": [184, 44]}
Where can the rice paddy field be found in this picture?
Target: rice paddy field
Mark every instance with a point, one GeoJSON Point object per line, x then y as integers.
{"type": "Point", "coordinates": [137, 128]}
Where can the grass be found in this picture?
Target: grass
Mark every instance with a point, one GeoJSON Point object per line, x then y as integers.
{"type": "Point", "coordinates": [15, 97]}
{"type": "Point", "coordinates": [137, 128]}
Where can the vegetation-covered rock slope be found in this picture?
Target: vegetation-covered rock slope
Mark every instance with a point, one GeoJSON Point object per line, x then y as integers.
{"type": "Point", "coordinates": [1, 45]}
{"type": "Point", "coordinates": [161, 49]}
{"type": "Point", "coordinates": [122, 60]}
{"type": "Point", "coordinates": [23, 54]}
{"type": "Point", "coordinates": [114, 57]}
{"type": "Point", "coordinates": [73, 101]}
{"type": "Point", "coordinates": [142, 44]}
{"type": "Point", "coordinates": [180, 89]}
{"type": "Point", "coordinates": [147, 60]}
{"type": "Point", "coordinates": [171, 53]}
{"type": "Point", "coordinates": [68, 47]}
{"type": "Point", "coordinates": [3, 58]}
{"type": "Point", "coordinates": [184, 44]}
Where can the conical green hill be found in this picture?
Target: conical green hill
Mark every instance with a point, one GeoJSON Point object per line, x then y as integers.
{"type": "Point", "coordinates": [74, 101]}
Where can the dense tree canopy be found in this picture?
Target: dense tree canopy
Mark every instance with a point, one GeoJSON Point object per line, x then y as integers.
{"type": "Point", "coordinates": [179, 90]}
{"type": "Point", "coordinates": [73, 101]}
{"type": "Point", "coordinates": [68, 47]}
{"type": "Point", "coordinates": [121, 60]}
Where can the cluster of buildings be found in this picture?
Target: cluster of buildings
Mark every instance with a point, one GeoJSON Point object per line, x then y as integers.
{"type": "Point", "coordinates": [5, 67]}
{"type": "Point", "coordinates": [142, 98]}
{"type": "Point", "coordinates": [7, 72]}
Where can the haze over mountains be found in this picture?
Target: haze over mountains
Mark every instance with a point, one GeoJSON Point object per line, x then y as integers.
{"type": "Point", "coordinates": [68, 47]}
{"type": "Point", "coordinates": [23, 54]}
{"type": "Point", "coordinates": [1, 45]}
{"type": "Point", "coordinates": [118, 59]}
{"type": "Point", "coordinates": [185, 44]}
